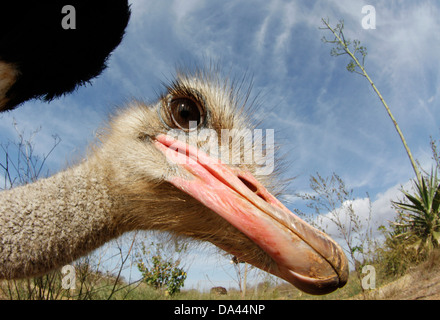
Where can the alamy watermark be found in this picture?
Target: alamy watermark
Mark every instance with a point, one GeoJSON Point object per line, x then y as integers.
{"type": "Point", "coordinates": [369, 20]}
{"type": "Point", "coordinates": [69, 20]}
{"type": "Point", "coordinates": [369, 280]}
{"type": "Point", "coordinates": [69, 279]}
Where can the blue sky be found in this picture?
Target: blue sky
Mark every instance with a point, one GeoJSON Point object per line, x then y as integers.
{"type": "Point", "coordinates": [325, 118]}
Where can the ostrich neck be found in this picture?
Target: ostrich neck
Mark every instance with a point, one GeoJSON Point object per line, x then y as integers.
{"type": "Point", "coordinates": [49, 223]}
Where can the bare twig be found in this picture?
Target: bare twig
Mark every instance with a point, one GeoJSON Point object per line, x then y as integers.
{"type": "Point", "coordinates": [343, 47]}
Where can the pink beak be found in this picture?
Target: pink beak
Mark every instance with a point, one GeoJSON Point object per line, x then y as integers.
{"type": "Point", "coordinates": [304, 256]}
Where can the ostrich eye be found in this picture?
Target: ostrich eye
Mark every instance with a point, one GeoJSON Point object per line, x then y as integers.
{"type": "Point", "coordinates": [184, 111]}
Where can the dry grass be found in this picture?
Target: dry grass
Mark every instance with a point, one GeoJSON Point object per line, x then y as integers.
{"type": "Point", "coordinates": [420, 282]}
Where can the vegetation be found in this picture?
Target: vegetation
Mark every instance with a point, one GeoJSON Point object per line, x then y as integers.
{"type": "Point", "coordinates": [419, 220]}
{"type": "Point", "coordinates": [354, 50]}
{"type": "Point", "coordinates": [333, 206]}
{"type": "Point", "coordinates": [19, 164]}
{"type": "Point", "coordinates": [416, 231]}
{"type": "Point", "coordinates": [163, 273]}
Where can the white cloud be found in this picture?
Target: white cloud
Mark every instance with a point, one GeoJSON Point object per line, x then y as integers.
{"type": "Point", "coordinates": [380, 212]}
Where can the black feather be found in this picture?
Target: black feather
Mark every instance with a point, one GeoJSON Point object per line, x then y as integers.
{"type": "Point", "coordinates": [51, 60]}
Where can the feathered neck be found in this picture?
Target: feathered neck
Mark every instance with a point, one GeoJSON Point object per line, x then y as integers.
{"type": "Point", "coordinates": [54, 221]}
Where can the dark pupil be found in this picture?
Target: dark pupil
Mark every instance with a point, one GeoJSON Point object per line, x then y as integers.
{"type": "Point", "coordinates": [184, 111]}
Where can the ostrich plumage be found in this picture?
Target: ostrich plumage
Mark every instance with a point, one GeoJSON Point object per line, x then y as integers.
{"type": "Point", "coordinates": [39, 58]}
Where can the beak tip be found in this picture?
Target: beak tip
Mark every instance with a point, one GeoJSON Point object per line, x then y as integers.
{"type": "Point", "coordinates": [321, 286]}
{"type": "Point", "coordinates": [316, 286]}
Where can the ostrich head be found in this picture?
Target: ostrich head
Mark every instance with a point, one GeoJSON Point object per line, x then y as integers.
{"type": "Point", "coordinates": [171, 183]}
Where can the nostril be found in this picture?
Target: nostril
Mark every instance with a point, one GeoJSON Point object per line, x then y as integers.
{"type": "Point", "coordinates": [262, 197]}
{"type": "Point", "coordinates": [253, 188]}
{"type": "Point", "coordinates": [249, 184]}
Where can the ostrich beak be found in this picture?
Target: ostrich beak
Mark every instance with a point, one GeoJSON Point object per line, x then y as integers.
{"type": "Point", "coordinates": [304, 256]}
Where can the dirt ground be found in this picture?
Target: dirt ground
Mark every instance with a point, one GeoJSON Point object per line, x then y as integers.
{"type": "Point", "coordinates": [421, 283]}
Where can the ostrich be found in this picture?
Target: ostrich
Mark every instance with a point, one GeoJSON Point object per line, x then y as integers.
{"type": "Point", "coordinates": [139, 176]}
{"type": "Point", "coordinates": [40, 57]}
